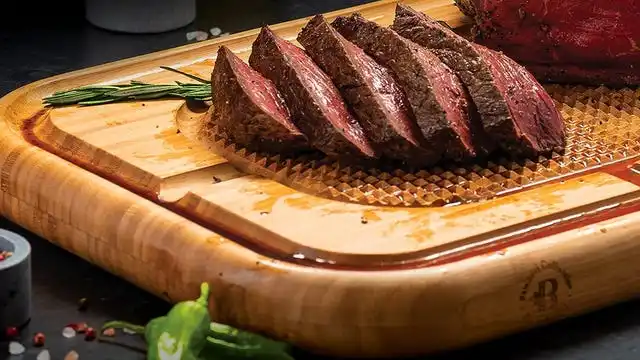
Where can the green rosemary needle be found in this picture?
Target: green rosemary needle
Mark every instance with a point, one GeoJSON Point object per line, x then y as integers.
{"type": "Point", "coordinates": [135, 90]}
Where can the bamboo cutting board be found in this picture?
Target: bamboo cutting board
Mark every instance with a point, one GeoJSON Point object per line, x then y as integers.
{"type": "Point", "coordinates": [342, 261]}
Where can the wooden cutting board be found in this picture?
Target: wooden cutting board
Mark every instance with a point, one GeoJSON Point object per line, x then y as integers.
{"type": "Point", "coordinates": [342, 261]}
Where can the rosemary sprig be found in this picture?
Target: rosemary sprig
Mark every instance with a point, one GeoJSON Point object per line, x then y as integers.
{"type": "Point", "coordinates": [135, 90]}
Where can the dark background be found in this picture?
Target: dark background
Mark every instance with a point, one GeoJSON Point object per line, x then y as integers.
{"type": "Point", "coordinates": [38, 41]}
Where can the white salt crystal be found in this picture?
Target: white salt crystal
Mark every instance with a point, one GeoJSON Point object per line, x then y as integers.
{"type": "Point", "coordinates": [15, 348]}
{"type": "Point", "coordinates": [202, 36]}
{"type": "Point", "coordinates": [44, 355]}
{"type": "Point", "coordinates": [191, 35]}
{"type": "Point", "coordinates": [197, 35]}
{"type": "Point", "coordinates": [68, 332]}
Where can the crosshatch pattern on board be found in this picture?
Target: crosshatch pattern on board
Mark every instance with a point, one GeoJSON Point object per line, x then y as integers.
{"type": "Point", "coordinates": [603, 126]}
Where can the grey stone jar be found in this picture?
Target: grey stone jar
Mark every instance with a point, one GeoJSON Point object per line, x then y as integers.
{"type": "Point", "coordinates": [15, 281]}
{"type": "Point", "coordinates": [140, 16]}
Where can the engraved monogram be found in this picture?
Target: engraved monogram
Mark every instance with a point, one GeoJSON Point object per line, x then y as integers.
{"type": "Point", "coordinates": [544, 286]}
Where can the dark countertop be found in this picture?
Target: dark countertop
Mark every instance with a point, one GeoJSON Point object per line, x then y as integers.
{"type": "Point", "coordinates": [47, 45]}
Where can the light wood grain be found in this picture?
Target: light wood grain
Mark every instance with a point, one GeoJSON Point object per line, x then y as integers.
{"type": "Point", "coordinates": [336, 227]}
{"type": "Point", "coordinates": [345, 312]}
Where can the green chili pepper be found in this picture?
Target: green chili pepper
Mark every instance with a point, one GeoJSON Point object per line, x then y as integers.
{"type": "Point", "coordinates": [180, 335]}
{"type": "Point", "coordinates": [187, 333]}
{"type": "Point", "coordinates": [226, 342]}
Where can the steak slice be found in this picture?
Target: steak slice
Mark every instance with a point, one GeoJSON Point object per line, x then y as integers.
{"type": "Point", "coordinates": [249, 110]}
{"type": "Point", "coordinates": [371, 91]}
{"type": "Point", "coordinates": [516, 112]}
{"type": "Point", "coordinates": [538, 123]}
{"type": "Point", "coordinates": [591, 42]}
{"type": "Point", "coordinates": [316, 106]}
{"type": "Point", "coordinates": [439, 101]}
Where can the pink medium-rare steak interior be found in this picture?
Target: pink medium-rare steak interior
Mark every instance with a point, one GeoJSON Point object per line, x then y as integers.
{"type": "Point", "coordinates": [370, 90]}
{"type": "Point", "coordinates": [248, 108]}
{"type": "Point", "coordinates": [438, 99]}
{"type": "Point", "coordinates": [536, 118]}
{"type": "Point", "coordinates": [315, 103]}
{"type": "Point", "coordinates": [500, 105]}
{"type": "Point", "coordinates": [415, 94]}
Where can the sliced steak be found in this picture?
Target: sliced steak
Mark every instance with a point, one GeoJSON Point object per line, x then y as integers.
{"type": "Point", "coordinates": [515, 110]}
{"type": "Point", "coordinates": [249, 110]}
{"type": "Point", "coordinates": [316, 106]}
{"type": "Point", "coordinates": [439, 101]}
{"type": "Point", "coordinates": [371, 91]}
{"type": "Point", "coordinates": [538, 124]}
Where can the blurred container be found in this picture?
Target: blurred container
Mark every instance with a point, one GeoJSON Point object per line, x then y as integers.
{"type": "Point", "coordinates": [140, 16]}
{"type": "Point", "coordinates": [15, 281]}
